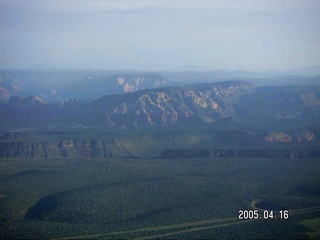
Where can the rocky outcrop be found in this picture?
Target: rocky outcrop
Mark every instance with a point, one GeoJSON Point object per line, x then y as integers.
{"type": "Point", "coordinates": [67, 148]}
{"type": "Point", "coordinates": [305, 136]}
{"type": "Point", "coordinates": [196, 103]}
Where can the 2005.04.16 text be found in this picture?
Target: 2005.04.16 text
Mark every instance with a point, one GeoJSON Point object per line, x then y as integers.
{"type": "Point", "coordinates": [265, 214]}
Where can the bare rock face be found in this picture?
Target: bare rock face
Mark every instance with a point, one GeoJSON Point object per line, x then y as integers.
{"type": "Point", "coordinates": [72, 148]}
{"type": "Point", "coordinates": [305, 136]}
{"type": "Point", "coordinates": [168, 106]}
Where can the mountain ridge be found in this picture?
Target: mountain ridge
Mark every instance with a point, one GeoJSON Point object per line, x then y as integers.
{"type": "Point", "coordinates": [163, 107]}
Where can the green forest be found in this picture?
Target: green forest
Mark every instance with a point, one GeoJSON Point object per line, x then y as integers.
{"type": "Point", "coordinates": [157, 198]}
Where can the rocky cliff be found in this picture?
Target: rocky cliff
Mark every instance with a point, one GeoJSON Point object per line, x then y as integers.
{"type": "Point", "coordinates": [73, 148]}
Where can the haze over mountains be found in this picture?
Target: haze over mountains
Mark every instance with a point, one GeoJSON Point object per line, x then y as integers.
{"type": "Point", "coordinates": [195, 103]}
{"type": "Point", "coordinates": [86, 85]}
{"type": "Point", "coordinates": [57, 85]}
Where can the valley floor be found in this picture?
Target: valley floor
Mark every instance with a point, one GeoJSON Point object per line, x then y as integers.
{"type": "Point", "coordinates": [158, 198]}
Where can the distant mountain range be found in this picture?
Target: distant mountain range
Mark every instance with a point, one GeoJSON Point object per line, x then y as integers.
{"type": "Point", "coordinates": [307, 71]}
{"type": "Point", "coordinates": [86, 85]}
{"type": "Point", "coordinates": [60, 85]}
{"type": "Point", "coordinates": [54, 86]}
{"type": "Point", "coordinates": [167, 106]}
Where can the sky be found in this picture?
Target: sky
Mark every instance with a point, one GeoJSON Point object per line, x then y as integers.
{"type": "Point", "coordinates": [159, 34]}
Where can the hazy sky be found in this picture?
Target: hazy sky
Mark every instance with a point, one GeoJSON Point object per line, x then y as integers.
{"type": "Point", "coordinates": [159, 35]}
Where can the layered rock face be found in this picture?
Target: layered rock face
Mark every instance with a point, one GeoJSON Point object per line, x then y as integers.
{"type": "Point", "coordinates": [77, 148]}
{"type": "Point", "coordinates": [65, 148]}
